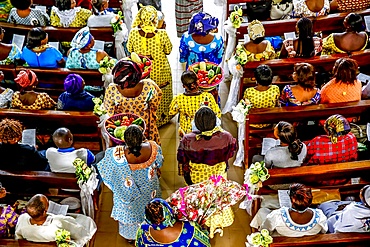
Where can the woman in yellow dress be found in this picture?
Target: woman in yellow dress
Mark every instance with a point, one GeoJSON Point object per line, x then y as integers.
{"type": "Point", "coordinates": [187, 104]}
{"type": "Point", "coordinates": [146, 39]}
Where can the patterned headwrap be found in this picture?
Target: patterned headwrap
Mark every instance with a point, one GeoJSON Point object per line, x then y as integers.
{"type": "Point", "coordinates": [73, 84]}
{"type": "Point", "coordinates": [26, 78]}
{"type": "Point", "coordinates": [82, 38]}
{"type": "Point", "coordinates": [126, 73]}
{"type": "Point", "coordinates": [169, 219]}
{"type": "Point", "coordinates": [256, 30]}
{"type": "Point", "coordinates": [146, 19]}
{"type": "Point", "coordinates": [336, 125]}
{"type": "Point", "coordinates": [365, 194]}
{"type": "Point", "coordinates": [202, 23]}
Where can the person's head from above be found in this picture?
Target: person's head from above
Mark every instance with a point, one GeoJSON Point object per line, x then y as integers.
{"type": "Point", "coordinates": [126, 74]}
{"type": "Point", "coordinates": [21, 4]}
{"type": "Point", "coordinates": [365, 195]}
{"type": "Point", "coordinates": [146, 19]}
{"type": "Point", "coordinates": [83, 40]}
{"type": "Point", "coordinates": [74, 84]}
{"type": "Point", "coordinates": [159, 214]}
{"type": "Point", "coordinates": [189, 80]}
{"type": "Point", "coordinates": [205, 119]}
{"type": "Point", "coordinates": [286, 133]}
{"type": "Point", "coordinates": [335, 126]}
{"type": "Point", "coordinates": [134, 137]}
{"type": "Point", "coordinates": [263, 74]}
{"type": "Point", "coordinates": [345, 70]}
{"type": "Point", "coordinates": [256, 31]}
{"type": "Point", "coordinates": [36, 37]}
{"type": "Point", "coordinates": [26, 80]}
{"type": "Point", "coordinates": [99, 5]}
{"type": "Point", "coordinates": [65, 4]}
{"type": "Point", "coordinates": [300, 196]}
{"type": "Point", "coordinates": [354, 23]}
{"type": "Point", "coordinates": [304, 75]}
{"type": "Point", "coordinates": [304, 28]}
{"type": "Point", "coordinates": [202, 24]}
{"type": "Point", "coordinates": [10, 131]}
{"type": "Point", "coordinates": [37, 207]}
{"type": "Point", "coordinates": [63, 138]}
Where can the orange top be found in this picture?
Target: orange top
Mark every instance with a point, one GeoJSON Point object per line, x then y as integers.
{"type": "Point", "coordinates": [337, 92]}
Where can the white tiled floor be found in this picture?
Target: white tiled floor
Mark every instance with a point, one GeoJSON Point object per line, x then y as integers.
{"type": "Point", "coordinates": [234, 235]}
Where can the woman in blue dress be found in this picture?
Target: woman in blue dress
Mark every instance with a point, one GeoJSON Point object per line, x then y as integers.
{"type": "Point", "coordinates": [161, 229]}
{"type": "Point", "coordinates": [130, 171]}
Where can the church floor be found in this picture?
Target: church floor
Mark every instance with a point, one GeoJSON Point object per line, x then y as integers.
{"type": "Point", "coordinates": [107, 234]}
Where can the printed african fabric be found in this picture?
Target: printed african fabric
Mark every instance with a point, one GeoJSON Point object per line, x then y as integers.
{"type": "Point", "coordinates": [43, 101]}
{"type": "Point", "coordinates": [15, 53]}
{"type": "Point", "coordinates": [35, 18]}
{"type": "Point", "coordinates": [8, 219]}
{"type": "Point", "coordinates": [78, 60]}
{"type": "Point", "coordinates": [184, 10]}
{"type": "Point", "coordinates": [80, 18]}
{"type": "Point", "coordinates": [287, 98]}
{"type": "Point", "coordinates": [337, 92]}
{"type": "Point", "coordinates": [329, 47]}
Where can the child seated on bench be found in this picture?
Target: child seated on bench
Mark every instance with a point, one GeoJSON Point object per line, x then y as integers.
{"type": "Point", "coordinates": [61, 158]}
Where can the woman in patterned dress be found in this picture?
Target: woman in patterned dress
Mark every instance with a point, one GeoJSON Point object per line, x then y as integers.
{"type": "Point", "coordinates": [23, 14]}
{"type": "Point", "coordinates": [130, 171]}
{"type": "Point", "coordinates": [131, 94]}
{"type": "Point", "coordinates": [26, 98]}
{"type": "Point", "coordinates": [8, 52]}
{"type": "Point", "coordinates": [146, 39]}
{"type": "Point", "coordinates": [66, 14]}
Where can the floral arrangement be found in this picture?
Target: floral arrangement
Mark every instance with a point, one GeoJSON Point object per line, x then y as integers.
{"type": "Point", "coordinates": [99, 109]}
{"type": "Point", "coordinates": [258, 174]}
{"type": "Point", "coordinates": [117, 21]}
{"type": "Point", "coordinates": [236, 17]}
{"type": "Point", "coordinates": [259, 239]}
{"type": "Point", "coordinates": [83, 172]}
{"type": "Point", "coordinates": [106, 65]}
{"type": "Point", "coordinates": [200, 201]}
{"type": "Point", "coordinates": [63, 238]}
{"type": "Point", "coordinates": [241, 110]}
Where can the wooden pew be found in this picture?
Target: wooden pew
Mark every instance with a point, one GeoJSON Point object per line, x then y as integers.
{"type": "Point", "coordinates": [23, 243]}
{"type": "Point", "coordinates": [293, 114]}
{"type": "Point", "coordinates": [82, 3]}
{"type": "Point", "coordinates": [82, 124]}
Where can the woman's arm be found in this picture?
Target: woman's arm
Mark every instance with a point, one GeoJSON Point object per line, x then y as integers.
{"type": "Point", "coordinates": [100, 54]}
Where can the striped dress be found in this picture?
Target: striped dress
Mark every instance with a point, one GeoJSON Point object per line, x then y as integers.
{"type": "Point", "coordinates": [184, 11]}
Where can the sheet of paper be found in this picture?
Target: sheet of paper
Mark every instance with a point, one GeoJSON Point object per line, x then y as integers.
{"type": "Point", "coordinates": [99, 44]}
{"type": "Point", "coordinates": [284, 199]}
{"type": "Point", "coordinates": [368, 131]}
{"type": "Point", "coordinates": [246, 38]}
{"type": "Point", "coordinates": [41, 7]}
{"type": "Point", "coordinates": [289, 35]}
{"type": "Point", "coordinates": [18, 40]}
{"type": "Point", "coordinates": [54, 44]}
{"type": "Point", "coordinates": [367, 23]}
{"type": "Point", "coordinates": [29, 137]}
{"type": "Point", "coordinates": [268, 143]}
{"type": "Point", "coordinates": [57, 209]}
{"type": "Point", "coordinates": [363, 78]}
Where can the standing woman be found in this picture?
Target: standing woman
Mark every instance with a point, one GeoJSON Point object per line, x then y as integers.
{"type": "Point", "coordinates": [130, 93]}
{"type": "Point", "coordinates": [184, 10]}
{"type": "Point", "coordinates": [130, 171]}
{"type": "Point", "coordinates": [146, 39]}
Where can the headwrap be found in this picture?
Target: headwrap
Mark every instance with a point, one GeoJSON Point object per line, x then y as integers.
{"type": "Point", "coordinates": [209, 132]}
{"type": "Point", "coordinates": [146, 19]}
{"type": "Point", "coordinates": [26, 78]}
{"type": "Point", "coordinates": [73, 84]}
{"type": "Point", "coordinates": [336, 125]}
{"type": "Point", "coordinates": [126, 73]}
{"type": "Point", "coordinates": [169, 219]}
{"type": "Point", "coordinates": [256, 30]}
{"type": "Point", "coordinates": [82, 38]}
{"type": "Point", "coordinates": [202, 23]}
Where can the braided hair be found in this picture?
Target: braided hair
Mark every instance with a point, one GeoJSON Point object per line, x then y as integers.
{"type": "Point", "coordinates": [300, 195]}
{"type": "Point", "coordinates": [288, 135]}
{"type": "Point", "coordinates": [10, 131]}
{"type": "Point", "coordinates": [355, 22]}
{"type": "Point", "coordinates": [305, 37]}
{"type": "Point", "coordinates": [126, 73]}
{"type": "Point", "coordinates": [134, 138]}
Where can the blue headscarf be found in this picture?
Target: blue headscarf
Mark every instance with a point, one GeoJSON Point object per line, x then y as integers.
{"type": "Point", "coordinates": [202, 23]}
{"type": "Point", "coordinates": [82, 38]}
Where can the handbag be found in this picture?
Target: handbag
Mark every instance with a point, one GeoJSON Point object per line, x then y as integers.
{"type": "Point", "coordinates": [258, 9]}
{"type": "Point", "coordinates": [359, 131]}
{"type": "Point", "coordinates": [280, 10]}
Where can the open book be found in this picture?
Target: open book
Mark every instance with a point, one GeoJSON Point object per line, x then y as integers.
{"type": "Point", "coordinates": [57, 209]}
{"type": "Point", "coordinates": [284, 199]}
{"type": "Point", "coordinates": [29, 137]}
{"type": "Point", "coordinates": [268, 143]}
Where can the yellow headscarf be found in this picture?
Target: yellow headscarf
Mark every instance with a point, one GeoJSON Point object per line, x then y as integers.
{"type": "Point", "coordinates": [256, 30]}
{"type": "Point", "coordinates": [146, 19]}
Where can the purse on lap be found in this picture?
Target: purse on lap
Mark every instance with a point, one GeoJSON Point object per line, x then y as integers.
{"type": "Point", "coordinates": [281, 10]}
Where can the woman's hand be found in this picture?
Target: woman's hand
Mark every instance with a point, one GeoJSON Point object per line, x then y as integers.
{"type": "Point", "coordinates": [2, 192]}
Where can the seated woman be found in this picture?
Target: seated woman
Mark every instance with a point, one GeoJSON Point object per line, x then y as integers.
{"type": "Point", "coordinates": [305, 92]}
{"type": "Point", "coordinates": [298, 220]}
{"type": "Point", "coordinates": [22, 13]}
{"type": "Point", "coordinates": [82, 55]}
{"type": "Point", "coordinates": [354, 38]}
{"type": "Point", "coordinates": [17, 156]}
{"type": "Point", "coordinates": [8, 52]}
{"type": "Point", "coordinates": [6, 94]}
{"type": "Point", "coordinates": [160, 228]}
{"type": "Point", "coordinates": [199, 43]}
{"type": "Point", "coordinates": [26, 98]}
{"type": "Point", "coordinates": [291, 151]}
{"type": "Point", "coordinates": [310, 8]}
{"type": "Point", "coordinates": [339, 145]}
{"type": "Point", "coordinates": [66, 14]}
{"type": "Point", "coordinates": [355, 217]}
{"type": "Point", "coordinates": [187, 103]}
{"type": "Point", "coordinates": [37, 52]}
{"type": "Point", "coordinates": [349, 5]}
{"type": "Point", "coordinates": [75, 98]}
{"type": "Point", "coordinates": [344, 87]}
{"type": "Point", "coordinates": [306, 45]}
{"type": "Point", "coordinates": [101, 17]}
